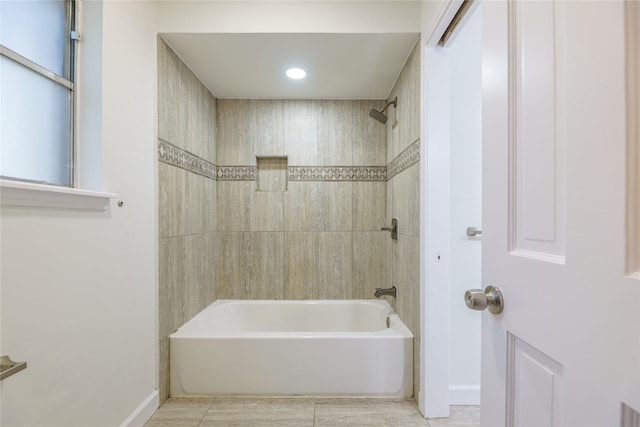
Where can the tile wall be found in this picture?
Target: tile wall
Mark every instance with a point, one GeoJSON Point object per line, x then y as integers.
{"type": "Point", "coordinates": [187, 194]}
{"type": "Point", "coordinates": [403, 198]}
{"type": "Point", "coordinates": [317, 235]}
{"type": "Point", "coordinates": [283, 199]}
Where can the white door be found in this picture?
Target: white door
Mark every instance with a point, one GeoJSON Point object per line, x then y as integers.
{"type": "Point", "coordinates": [565, 351]}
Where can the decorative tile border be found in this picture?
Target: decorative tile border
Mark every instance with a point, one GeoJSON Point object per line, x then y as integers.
{"type": "Point", "coordinates": [409, 157]}
{"type": "Point", "coordinates": [337, 173]}
{"type": "Point", "coordinates": [237, 173]}
{"type": "Point", "coordinates": [176, 156]}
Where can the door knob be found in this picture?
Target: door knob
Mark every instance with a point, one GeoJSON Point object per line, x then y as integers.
{"type": "Point", "coordinates": [473, 232]}
{"type": "Point", "coordinates": [490, 298]}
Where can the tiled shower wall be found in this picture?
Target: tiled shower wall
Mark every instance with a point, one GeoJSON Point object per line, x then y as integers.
{"type": "Point", "coordinates": [283, 199]}
{"type": "Point", "coordinates": [403, 198]}
{"type": "Point", "coordinates": [187, 209]}
{"type": "Point", "coordinates": [318, 235]}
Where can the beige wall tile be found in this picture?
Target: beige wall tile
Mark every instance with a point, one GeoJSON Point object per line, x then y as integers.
{"type": "Point", "coordinates": [210, 205]}
{"type": "Point", "coordinates": [186, 108]}
{"type": "Point", "coordinates": [211, 266]}
{"type": "Point", "coordinates": [211, 127]}
{"type": "Point", "coordinates": [301, 265]}
{"type": "Point", "coordinates": [250, 265]}
{"type": "Point", "coordinates": [396, 202]}
{"type": "Point", "coordinates": [194, 221]}
{"type": "Point", "coordinates": [266, 127]}
{"type": "Point", "coordinates": [166, 275]}
{"type": "Point", "coordinates": [163, 388]}
{"type": "Point", "coordinates": [192, 129]}
{"type": "Point", "coordinates": [369, 205]}
{"type": "Point", "coordinates": [413, 201]}
{"type": "Point", "coordinates": [336, 206]}
{"type": "Point", "coordinates": [171, 200]}
{"type": "Point", "coordinates": [335, 265]}
{"type": "Point", "coordinates": [233, 147]}
{"type": "Point", "coordinates": [403, 111]}
{"type": "Point", "coordinates": [393, 124]}
{"type": "Point", "coordinates": [264, 257]}
{"type": "Point", "coordinates": [170, 113]}
{"type": "Point", "coordinates": [408, 264]}
{"type": "Point", "coordinates": [267, 211]}
{"type": "Point", "coordinates": [302, 210]}
{"type": "Point", "coordinates": [318, 206]}
{"type": "Point", "coordinates": [230, 271]}
{"type": "Point", "coordinates": [407, 114]}
{"type": "Point", "coordinates": [172, 283]}
{"type": "Point", "coordinates": [233, 205]}
{"type": "Point", "coordinates": [408, 300]}
{"type": "Point", "coordinates": [406, 200]}
{"type": "Point", "coordinates": [369, 135]}
{"type": "Point", "coordinates": [335, 133]}
{"type": "Point", "coordinates": [414, 91]}
{"type": "Point", "coordinates": [389, 246]}
{"type": "Point", "coordinates": [396, 269]}
{"type": "Point", "coordinates": [368, 263]}
{"type": "Point", "coordinates": [195, 284]}
{"type": "Point", "coordinates": [301, 119]}
{"type": "Point", "coordinates": [389, 205]}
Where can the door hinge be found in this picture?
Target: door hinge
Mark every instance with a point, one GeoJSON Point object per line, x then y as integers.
{"type": "Point", "coordinates": [75, 36]}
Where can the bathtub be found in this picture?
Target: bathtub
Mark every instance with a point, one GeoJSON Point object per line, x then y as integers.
{"type": "Point", "coordinates": [311, 348]}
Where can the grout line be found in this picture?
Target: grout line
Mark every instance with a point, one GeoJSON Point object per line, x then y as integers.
{"type": "Point", "coordinates": [315, 404]}
{"type": "Point", "coordinates": [206, 412]}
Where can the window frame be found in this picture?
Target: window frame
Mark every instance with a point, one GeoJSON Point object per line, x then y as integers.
{"type": "Point", "coordinates": [67, 81]}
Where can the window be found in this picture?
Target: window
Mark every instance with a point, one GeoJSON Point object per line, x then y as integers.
{"type": "Point", "coordinates": [37, 90]}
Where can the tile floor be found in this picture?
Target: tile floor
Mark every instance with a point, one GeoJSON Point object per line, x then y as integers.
{"type": "Point", "coordinates": [303, 412]}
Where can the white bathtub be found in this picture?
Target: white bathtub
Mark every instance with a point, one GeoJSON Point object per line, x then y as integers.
{"type": "Point", "coordinates": [335, 348]}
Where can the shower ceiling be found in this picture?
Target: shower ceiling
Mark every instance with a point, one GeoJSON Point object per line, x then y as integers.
{"type": "Point", "coordinates": [338, 66]}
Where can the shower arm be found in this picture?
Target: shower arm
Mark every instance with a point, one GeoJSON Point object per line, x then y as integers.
{"type": "Point", "coordinates": [394, 102]}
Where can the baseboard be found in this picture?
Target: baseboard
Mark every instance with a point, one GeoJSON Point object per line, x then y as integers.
{"type": "Point", "coordinates": [143, 412]}
{"type": "Point", "coordinates": [464, 395]}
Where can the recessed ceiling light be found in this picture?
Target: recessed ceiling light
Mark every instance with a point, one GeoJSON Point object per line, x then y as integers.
{"type": "Point", "coordinates": [296, 73]}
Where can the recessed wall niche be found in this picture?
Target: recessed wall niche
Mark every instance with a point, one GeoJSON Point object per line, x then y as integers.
{"type": "Point", "coordinates": [272, 173]}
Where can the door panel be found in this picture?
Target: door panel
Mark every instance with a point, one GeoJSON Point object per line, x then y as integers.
{"type": "Point", "coordinates": [534, 384]}
{"type": "Point", "coordinates": [566, 348]}
{"type": "Point", "coordinates": [537, 144]}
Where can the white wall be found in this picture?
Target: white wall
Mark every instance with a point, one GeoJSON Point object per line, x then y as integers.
{"type": "Point", "coordinates": [465, 61]}
{"type": "Point", "coordinates": [289, 16]}
{"type": "Point", "coordinates": [79, 287]}
{"type": "Point", "coordinates": [444, 333]}
{"type": "Point", "coordinates": [434, 268]}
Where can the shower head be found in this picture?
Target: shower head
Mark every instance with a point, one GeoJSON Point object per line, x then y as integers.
{"type": "Point", "coordinates": [382, 118]}
{"type": "Point", "coordinates": [379, 115]}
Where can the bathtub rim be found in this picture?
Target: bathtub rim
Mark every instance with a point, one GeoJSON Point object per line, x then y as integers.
{"type": "Point", "coordinates": [397, 328]}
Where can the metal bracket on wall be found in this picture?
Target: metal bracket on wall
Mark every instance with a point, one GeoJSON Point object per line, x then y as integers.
{"type": "Point", "coordinates": [8, 367]}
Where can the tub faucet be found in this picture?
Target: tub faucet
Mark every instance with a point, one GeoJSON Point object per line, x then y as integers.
{"type": "Point", "coordinates": [393, 228]}
{"type": "Point", "coordinates": [388, 291]}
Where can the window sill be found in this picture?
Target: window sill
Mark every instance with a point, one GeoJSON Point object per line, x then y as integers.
{"type": "Point", "coordinates": [15, 193]}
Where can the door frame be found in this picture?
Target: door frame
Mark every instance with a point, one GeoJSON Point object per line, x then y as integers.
{"type": "Point", "coordinates": [433, 398]}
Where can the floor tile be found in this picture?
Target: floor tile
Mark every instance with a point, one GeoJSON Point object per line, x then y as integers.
{"type": "Point", "coordinates": [260, 412]}
{"type": "Point", "coordinates": [367, 412]}
{"type": "Point", "coordinates": [183, 412]}
{"type": "Point", "coordinates": [459, 416]}
{"type": "Point", "coordinates": [299, 412]}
